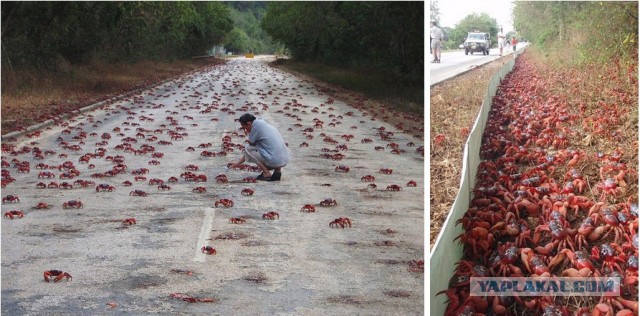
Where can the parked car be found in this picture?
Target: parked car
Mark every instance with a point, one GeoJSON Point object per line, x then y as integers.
{"type": "Point", "coordinates": [477, 42]}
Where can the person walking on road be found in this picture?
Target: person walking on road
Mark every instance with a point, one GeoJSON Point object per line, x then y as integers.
{"type": "Point", "coordinates": [266, 148]}
{"type": "Point", "coordinates": [501, 40]}
{"type": "Point", "coordinates": [514, 42]}
{"type": "Point", "coordinates": [436, 35]}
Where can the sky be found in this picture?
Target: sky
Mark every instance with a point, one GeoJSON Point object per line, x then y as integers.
{"type": "Point", "coordinates": [453, 11]}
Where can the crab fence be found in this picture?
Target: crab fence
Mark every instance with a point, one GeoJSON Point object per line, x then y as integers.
{"type": "Point", "coordinates": [446, 251]}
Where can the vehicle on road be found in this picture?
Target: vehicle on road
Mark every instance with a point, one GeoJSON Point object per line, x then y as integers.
{"type": "Point", "coordinates": [477, 42]}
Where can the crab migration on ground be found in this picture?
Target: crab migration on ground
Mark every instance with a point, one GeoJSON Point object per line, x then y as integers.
{"type": "Point", "coordinates": [134, 200]}
{"type": "Point", "coordinates": [547, 202]}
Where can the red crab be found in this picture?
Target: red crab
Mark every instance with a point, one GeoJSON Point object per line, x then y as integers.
{"type": "Point", "coordinates": [127, 183]}
{"type": "Point", "coordinates": [368, 178]}
{"type": "Point", "coordinates": [155, 181]}
{"type": "Point", "coordinates": [164, 187]}
{"type": "Point", "coordinates": [308, 208]}
{"type": "Point", "coordinates": [56, 273]}
{"type": "Point", "coordinates": [72, 204]}
{"type": "Point", "coordinates": [199, 190]}
{"type": "Point", "coordinates": [412, 184]}
{"type": "Point", "coordinates": [105, 187]}
{"type": "Point", "coordinates": [66, 185]}
{"type": "Point", "coordinates": [129, 221]}
{"type": "Point", "coordinates": [192, 168]}
{"type": "Point", "coordinates": [342, 169]}
{"type": "Point", "coordinates": [270, 215]}
{"type": "Point", "coordinates": [42, 205]}
{"type": "Point", "coordinates": [328, 202]}
{"type": "Point", "coordinates": [386, 171]}
{"type": "Point", "coordinates": [236, 220]}
{"type": "Point", "coordinates": [53, 185]}
{"type": "Point", "coordinates": [394, 187]}
{"type": "Point", "coordinates": [10, 199]}
{"type": "Point", "coordinates": [173, 179]}
{"type": "Point", "coordinates": [138, 193]}
{"type": "Point", "coordinates": [247, 191]}
{"type": "Point", "coordinates": [342, 221]}
{"type": "Point", "coordinates": [12, 214]}
{"type": "Point", "coordinates": [224, 202]}
{"type": "Point", "coordinates": [208, 250]}
{"type": "Point", "coordinates": [41, 185]}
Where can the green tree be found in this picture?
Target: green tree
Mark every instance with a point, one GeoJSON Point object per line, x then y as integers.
{"type": "Point", "coordinates": [471, 23]}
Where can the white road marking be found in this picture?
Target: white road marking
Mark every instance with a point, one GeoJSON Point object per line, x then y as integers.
{"type": "Point", "coordinates": [207, 225]}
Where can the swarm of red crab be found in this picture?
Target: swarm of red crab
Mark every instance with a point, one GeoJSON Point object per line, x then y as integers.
{"type": "Point", "coordinates": [555, 195]}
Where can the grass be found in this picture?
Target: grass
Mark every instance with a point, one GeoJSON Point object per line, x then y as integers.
{"type": "Point", "coordinates": [384, 87]}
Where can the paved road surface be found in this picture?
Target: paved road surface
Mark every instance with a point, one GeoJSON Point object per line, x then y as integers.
{"type": "Point", "coordinates": [296, 264]}
{"type": "Point", "coordinates": [456, 62]}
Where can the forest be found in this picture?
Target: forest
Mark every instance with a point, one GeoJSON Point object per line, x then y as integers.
{"type": "Point", "coordinates": [381, 35]}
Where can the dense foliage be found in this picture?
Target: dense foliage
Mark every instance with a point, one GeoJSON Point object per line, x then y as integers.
{"type": "Point", "coordinates": [247, 35]}
{"type": "Point", "coordinates": [472, 23]}
{"type": "Point", "coordinates": [41, 33]}
{"type": "Point", "coordinates": [384, 35]}
{"type": "Point", "coordinates": [585, 31]}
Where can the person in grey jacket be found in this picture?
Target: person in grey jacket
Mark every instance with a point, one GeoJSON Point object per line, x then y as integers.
{"type": "Point", "coordinates": [266, 148]}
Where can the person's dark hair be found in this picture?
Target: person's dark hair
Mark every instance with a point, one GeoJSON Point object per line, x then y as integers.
{"type": "Point", "coordinates": [246, 118]}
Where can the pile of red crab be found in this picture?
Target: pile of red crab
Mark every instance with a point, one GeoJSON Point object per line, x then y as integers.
{"type": "Point", "coordinates": [555, 195]}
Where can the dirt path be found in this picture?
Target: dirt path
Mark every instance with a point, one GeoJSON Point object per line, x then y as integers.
{"type": "Point", "coordinates": [296, 264]}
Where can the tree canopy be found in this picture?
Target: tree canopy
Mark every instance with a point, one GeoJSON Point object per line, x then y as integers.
{"type": "Point", "coordinates": [473, 22]}
{"type": "Point", "coordinates": [37, 33]}
{"type": "Point", "coordinates": [385, 35]}
{"type": "Point", "coordinates": [595, 31]}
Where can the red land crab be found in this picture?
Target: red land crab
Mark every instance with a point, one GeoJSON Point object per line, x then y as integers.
{"type": "Point", "coordinates": [66, 185]}
{"type": "Point", "coordinates": [173, 179]}
{"type": "Point", "coordinates": [386, 171]}
{"type": "Point", "coordinates": [534, 264]}
{"type": "Point", "coordinates": [129, 221]}
{"type": "Point", "coordinates": [308, 208]}
{"type": "Point", "coordinates": [237, 220]}
{"type": "Point", "coordinates": [10, 199]}
{"type": "Point", "coordinates": [342, 221]}
{"type": "Point", "coordinates": [41, 185]}
{"type": "Point", "coordinates": [328, 202]}
{"type": "Point", "coordinates": [222, 178]}
{"type": "Point", "coordinates": [14, 213]}
{"type": "Point", "coordinates": [609, 188]}
{"type": "Point", "coordinates": [581, 262]}
{"type": "Point", "coordinates": [412, 184]}
{"type": "Point", "coordinates": [42, 206]}
{"type": "Point", "coordinates": [46, 174]}
{"type": "Point", "coordinates": [372, 186]}
{"type": "Point", "coordinates": [368, 178]}
{"type": "Point", "coordinates": [504, 260]}
{"type": "Point", "coordinates": [140, 178]}
{"type": "Point", "coordinates": [247, 191]}
{"type": "Point", "coordinates": [394, 187]}
{"type": "Point", "coordinates": [155, 181]}
{"type": "Point", "coordinates": [164, 187]}
{"type": "Point", "coordinates": [138, 193]}
{"type": "Point", "coordinates": [561, 238]}
{"type": "Point", "coordinates": [608, 253]}
{"type": "Point", "coordinates": [224, 202]}
{"type": "Point", "coordinates": [199, 190]}
{"type": "Point", "coordinates": [127, 183]}
{"type": "Point", "coordinates": [105, 187]}
{"type": "Point", "coordinates": [59, 275]}
{"type": "Point", "coordinates": [270, 215]}
{"type": "Point", "coordinates": [208, 250]}
{"type": "Point", "coordinates": [342, 169]}
{"type": "Point", "coordinates": [192, 168]}
{"type": "Point", "coordinates": [72, 204]}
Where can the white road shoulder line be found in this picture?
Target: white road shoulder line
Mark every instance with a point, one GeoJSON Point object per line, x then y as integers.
{"type": "Point", "coordinates": [207, 225]}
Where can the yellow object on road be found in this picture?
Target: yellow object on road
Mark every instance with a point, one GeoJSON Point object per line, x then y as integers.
{"type": "Point", "coordinates": [248, 55]}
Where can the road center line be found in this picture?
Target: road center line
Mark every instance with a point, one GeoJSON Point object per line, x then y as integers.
{"type": "Point", "coordinates": [207, 225]}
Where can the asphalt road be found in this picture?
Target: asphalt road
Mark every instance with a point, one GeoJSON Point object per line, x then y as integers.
{"type": "Point", "coordinates": [294, 265]}
{"type": "Point", "coordinates": [456, 62]}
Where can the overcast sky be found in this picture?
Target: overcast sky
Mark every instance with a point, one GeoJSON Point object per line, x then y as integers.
{"type": "Point", "coordinates": [452, 11]}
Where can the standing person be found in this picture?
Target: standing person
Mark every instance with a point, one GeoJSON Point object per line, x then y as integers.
{"type": "Point", "coordinates": [501, 40]}
{"type": "Point", "coordinates": [266, 148]}
{"type": "Point", "coordinates": [513, 43]}
{"type": "Point", "coordinates": [436, 35]}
